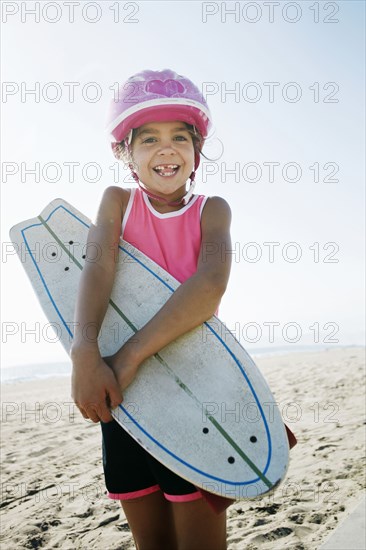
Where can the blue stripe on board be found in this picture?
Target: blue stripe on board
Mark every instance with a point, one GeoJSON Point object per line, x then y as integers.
{"type": "Point", "coordinates": [172, 290]}
{"type": "Point", "coordinates": [147, 268]}
{"type": "Point", "coordinates": [253, 392]}
{"type": "Point", "coordinates": [180, 459]}
{"type": "Point", "coordinates": [42, 279]}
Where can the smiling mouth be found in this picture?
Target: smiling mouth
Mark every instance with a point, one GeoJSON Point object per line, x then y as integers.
{"type": "Point", "coordinates": [166, 170]}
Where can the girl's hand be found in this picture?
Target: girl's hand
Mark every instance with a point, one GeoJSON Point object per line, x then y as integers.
{"type": "Point", "coordinates": [124, 364]}
{"type": "Point", "coordinates": [95, 389]}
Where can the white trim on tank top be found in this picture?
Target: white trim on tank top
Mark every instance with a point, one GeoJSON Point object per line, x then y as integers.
{"type": "Point", "coordinates": [174, 214]}
{"type": "Point", "coordinates": [128, 210]}
{"type": "Point", "coordinates": [202, 205]}
{"type": "Point", "coordinates": [155, 212]}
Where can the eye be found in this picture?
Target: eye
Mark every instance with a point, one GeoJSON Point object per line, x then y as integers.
{"type": "Point", "coordinates": [149, 140]}
{"type": "Point", "coordinates": [180, 138]}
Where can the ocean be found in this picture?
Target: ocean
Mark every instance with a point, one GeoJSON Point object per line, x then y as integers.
{"type": "Point", "coordinates": [37, 371]}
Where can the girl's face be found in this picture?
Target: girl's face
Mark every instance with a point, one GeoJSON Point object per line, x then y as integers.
{"type": "Point", "coordinates": [163, 156]}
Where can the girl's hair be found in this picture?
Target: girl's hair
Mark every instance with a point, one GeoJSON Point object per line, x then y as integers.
{"type": "Point", "coordinates": [121, 152]}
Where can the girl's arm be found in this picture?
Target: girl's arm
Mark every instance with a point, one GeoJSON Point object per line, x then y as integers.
{"type": "Point", "coordinates": [94, 386]}
{"type": "Point", "coordinates": [194, 302]}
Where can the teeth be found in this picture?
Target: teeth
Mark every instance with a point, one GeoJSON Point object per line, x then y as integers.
{"type": "Point", "coordinates": [162, 166]}
{"type": "Point", "coordinates": [162, 169]}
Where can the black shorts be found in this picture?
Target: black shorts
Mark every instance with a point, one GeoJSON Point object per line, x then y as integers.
{"type": "Point", "coordinates": [131, 472]}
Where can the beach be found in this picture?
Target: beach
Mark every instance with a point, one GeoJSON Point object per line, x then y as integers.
{"type": "Point", "coordinates": [53, 493]}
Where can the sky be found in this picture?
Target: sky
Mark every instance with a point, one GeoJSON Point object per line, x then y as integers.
{"type": "Point", "coordinates": [285, 85]}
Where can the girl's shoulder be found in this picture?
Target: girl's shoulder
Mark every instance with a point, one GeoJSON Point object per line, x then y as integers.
{"type": "Point", "coordinates": [113, 203]}
{"type": "Point", "coordinates": [117, 193]}
{"type": "Point", "coordinates": [216, 206]}
{"type": "Point", "coordinates": [216, 215]}
{"type": "Point", "coordinates": [116, 196]}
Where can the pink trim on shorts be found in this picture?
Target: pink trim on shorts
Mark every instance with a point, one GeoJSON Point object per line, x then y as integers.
{"type": "Point", "coordinates": [184, 498]}
{"type": "Point", "coordinates": [134, 494]}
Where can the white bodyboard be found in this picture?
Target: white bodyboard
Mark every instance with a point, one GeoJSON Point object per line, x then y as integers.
{"type": "Point", "coordinates": [200, 406]}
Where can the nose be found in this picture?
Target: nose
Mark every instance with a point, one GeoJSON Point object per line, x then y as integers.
{"type": "Point", "coordinates": [167, 148]}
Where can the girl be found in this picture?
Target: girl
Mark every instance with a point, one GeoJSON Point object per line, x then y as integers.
{"type": "Point", "coordinates": [159, 125]}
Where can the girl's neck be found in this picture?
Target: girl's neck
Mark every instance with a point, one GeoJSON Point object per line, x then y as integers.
{"type": "Point", "coordinates": [169, 203]}
{"type": "Point", "coordinates": [164, 208]}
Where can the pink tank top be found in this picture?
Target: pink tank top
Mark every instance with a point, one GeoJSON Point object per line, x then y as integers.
{"type": "Point", "coordinates": [172, 239]}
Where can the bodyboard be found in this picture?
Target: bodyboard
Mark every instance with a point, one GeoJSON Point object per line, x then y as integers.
{"type": "Point", "coordinates": [200, 406]}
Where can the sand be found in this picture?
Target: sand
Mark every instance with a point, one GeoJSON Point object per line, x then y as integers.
{"type": "Point", "coordinates": [53, 493]}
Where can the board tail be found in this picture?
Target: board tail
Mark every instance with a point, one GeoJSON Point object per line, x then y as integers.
{"type": "Point", "coordinates": [220, 504]}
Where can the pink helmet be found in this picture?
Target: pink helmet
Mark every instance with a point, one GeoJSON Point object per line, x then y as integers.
{"type": "Point", "coordinates": [157, 96]}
